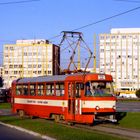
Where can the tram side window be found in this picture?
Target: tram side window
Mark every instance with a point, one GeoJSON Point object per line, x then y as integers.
{"type": "Point", "coordinates": [19, 90]}
{"type": "Point", "coordinates": [79, 87]}
{"type": "Point", "coordinates": [25, 90]}
{"type": "Point", "coordinates": [88, 89]}
{"type": "Point", "coordinates": [50, 89]}
{"type": "Point", "coordinates": [32, 90]}
{"type": "Point", "coordinates": [59, 89]}
{"type": "Point", "coordinates": [40, 89]}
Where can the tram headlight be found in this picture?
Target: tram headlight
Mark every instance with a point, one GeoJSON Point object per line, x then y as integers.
{"type": "Point", "coordinates": [114, 107]}
{"type": "Point", "coordinates": [97, 107]}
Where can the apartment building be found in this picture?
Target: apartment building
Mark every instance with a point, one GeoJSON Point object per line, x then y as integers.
{"type": "Point", "coordinates": [120, 57]}
{"type": "Point", "coordinates": [30, 58]}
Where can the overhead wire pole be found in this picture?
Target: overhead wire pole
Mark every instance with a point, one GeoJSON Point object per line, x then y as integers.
{"type": "Point", "coordinates": [74, 42]}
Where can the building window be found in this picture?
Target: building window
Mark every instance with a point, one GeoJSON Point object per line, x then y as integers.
{"type": "Point", "coordinates": [107, 37]}
{"type": "Point", "coordinates": [39, 72]}
{"type": "Point", "coordinates": [34, 66]}
{"type": "Point", "coordinates": [25, 53]}
{"type": "Point", "coordinates": [102, 50]}
{"type": "Point", "coordinates": [6, 48]}
{"type": "Point", "coordinates": [11, 48]}
{"type": "Point", "coordinates": [102, 37]}
{"type": "Point", "coordinates": [112, 37]}
{"type": "Point", "coordinates": [49, 72]}
{"type": "Point", "coordinates": [15, 72]}
{"type": "Point", "coordinates": [6, 72]}
{"type": "Point", "coordinates": [124, 37]}
{"type": "Point", "coordinates": [10, 66]}
{"type": "Point", "coordinates": [35, 72]}
{"type": "Point", "coordinates": [29, 66]}
{"type": "Point", "coordinates": [15, 66]}
{"type": "Point", "coordinates": [118, 56]}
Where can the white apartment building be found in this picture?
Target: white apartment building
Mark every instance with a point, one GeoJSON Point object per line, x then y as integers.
{"type": "Point", "coordinates": [29, 58]}
{"type": "Point", "coordinates": [120, 57]}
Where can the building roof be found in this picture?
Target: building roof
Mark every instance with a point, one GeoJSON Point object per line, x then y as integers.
{"type": "Point", "coordinates": [125, 30]}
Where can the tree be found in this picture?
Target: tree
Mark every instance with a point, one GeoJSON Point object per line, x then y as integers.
{"type": "Point", "coordinates": [1, 82]}
{"type": "Point", "coordinates": [138, 93]}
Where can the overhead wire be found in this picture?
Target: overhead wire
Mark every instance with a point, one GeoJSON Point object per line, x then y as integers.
{"type": "Point", "coordinates": [18, 2]}
{"type": "Point", "coordinates": [99, 21]}
{"type": "Point", "coordinates": [131, 1]}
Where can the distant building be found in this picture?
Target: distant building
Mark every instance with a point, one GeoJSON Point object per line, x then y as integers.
{"type": "Point", "coordinates": [30, 58]}
{"type": "Point", "coordinates": [120, 57]}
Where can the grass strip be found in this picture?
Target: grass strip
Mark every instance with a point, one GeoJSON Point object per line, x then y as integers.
{"type": "Point", "coordinates": [5, 105]}
{"type": "Point", "coordinates": [58, 131]}
{"type": "Point", "coordinates": [131, 120]}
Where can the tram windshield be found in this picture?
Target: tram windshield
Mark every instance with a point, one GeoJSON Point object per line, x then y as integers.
{"type": "Point", "coordinates": [99, 89]}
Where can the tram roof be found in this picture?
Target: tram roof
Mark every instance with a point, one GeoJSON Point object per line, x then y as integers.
{"type": "Point", "coordinates": [42, 79]}
{"type": "Point", "coordinates": [53, 78]}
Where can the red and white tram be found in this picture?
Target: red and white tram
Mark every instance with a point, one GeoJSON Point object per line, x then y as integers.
{"type": "Point", "coordinates": [77, 97]}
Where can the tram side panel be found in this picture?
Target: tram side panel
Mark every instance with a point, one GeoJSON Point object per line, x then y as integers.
{"type": "Point", "coordinates": [41, 106]}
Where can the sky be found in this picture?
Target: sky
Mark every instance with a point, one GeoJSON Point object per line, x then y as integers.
{"type": "Point", "coordinates": [48, 18]}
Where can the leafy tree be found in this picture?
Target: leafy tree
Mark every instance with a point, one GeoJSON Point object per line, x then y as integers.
{"type": "Point", "coordinates": [138, 93]}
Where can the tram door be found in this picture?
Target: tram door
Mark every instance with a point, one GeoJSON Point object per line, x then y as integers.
{"type": "Point", "coordinates": [74, 100]}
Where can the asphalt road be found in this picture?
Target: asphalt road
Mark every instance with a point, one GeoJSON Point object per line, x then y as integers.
{"type": "Point", "coordinates": [128, 106]}
{"type": "Point", "coordinates": [7, 133]}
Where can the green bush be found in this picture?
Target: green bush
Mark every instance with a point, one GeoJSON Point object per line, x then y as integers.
{"type": "Point", "coordinates": [138, 93]}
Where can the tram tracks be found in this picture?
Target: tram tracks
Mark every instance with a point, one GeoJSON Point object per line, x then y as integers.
{"type": "Point", "coordinates": [109, 129]}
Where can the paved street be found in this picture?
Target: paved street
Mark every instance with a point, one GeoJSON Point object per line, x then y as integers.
{"type": "Point", "coordinates": [5, 112]}
{"type": "Point", "coordinates": [128, 106]}
{"type": "Point", "coordinates": [7, 133]}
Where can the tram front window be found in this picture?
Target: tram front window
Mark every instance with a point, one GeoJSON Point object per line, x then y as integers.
{"type": "Point", "coordinates": [99, 89]}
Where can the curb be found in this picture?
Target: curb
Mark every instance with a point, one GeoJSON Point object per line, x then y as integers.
{"type": "Point", "coordinates": [28, 131]}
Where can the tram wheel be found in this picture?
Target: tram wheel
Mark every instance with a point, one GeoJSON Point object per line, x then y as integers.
{"type": "Point", "coordinates": [57, 118]}
{"type": "Point", "coordinates": [21, 113]}
{"type": "Point", "coordinates": [70, 123]}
